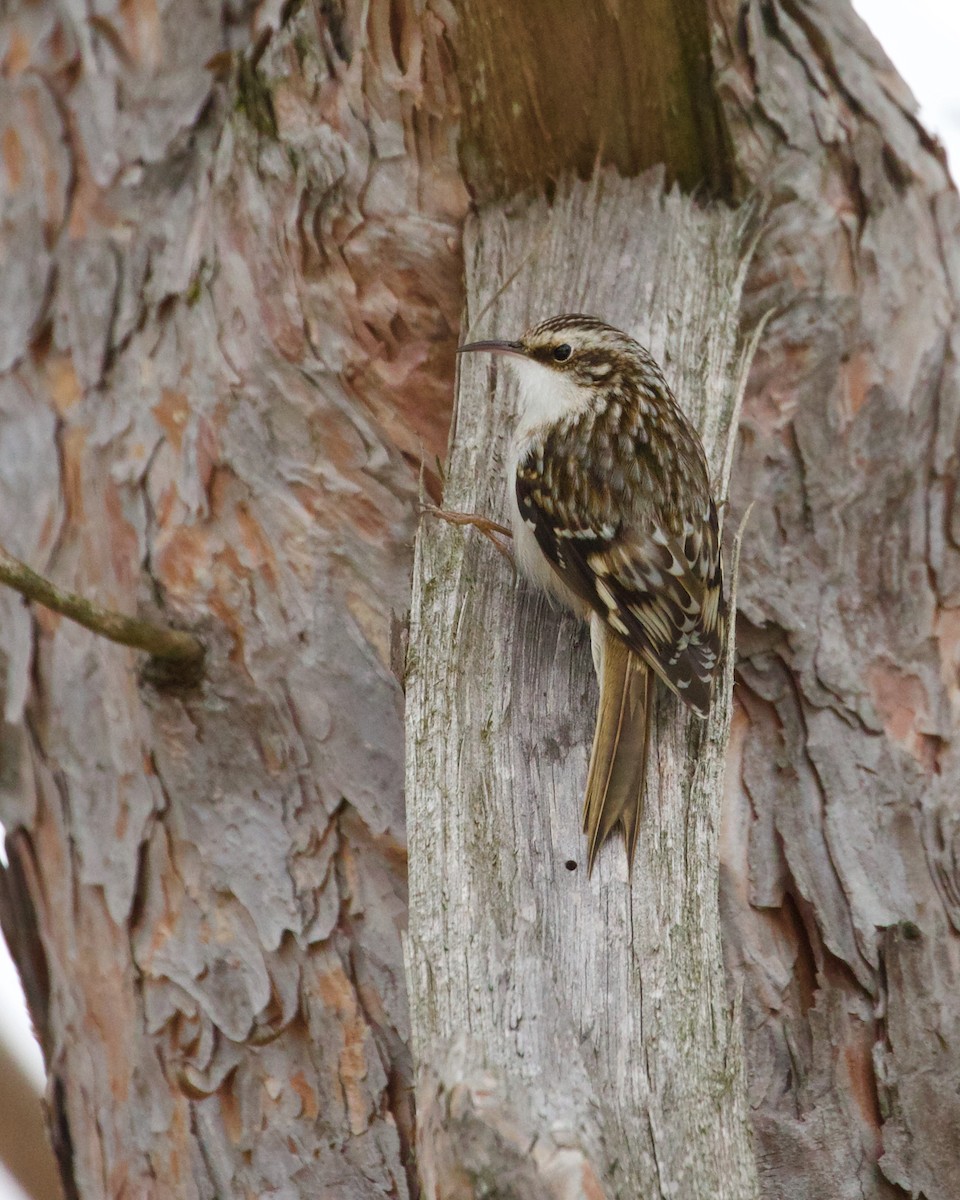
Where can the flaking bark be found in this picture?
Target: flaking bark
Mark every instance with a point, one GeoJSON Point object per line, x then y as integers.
{"type": "Point", "coordinates": [231, 292]}
{"type": "Point", "coordinates": [225, 342]}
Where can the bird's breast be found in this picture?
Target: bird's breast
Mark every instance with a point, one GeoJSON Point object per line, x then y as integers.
{"type": "Point", "coordinates": [530, 559]}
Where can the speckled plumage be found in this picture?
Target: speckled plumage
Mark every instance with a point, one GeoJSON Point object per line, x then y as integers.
{"type": "Point", "coordinates": [617, 495]}
{"type": "Point", "coordinates": [613, 514]}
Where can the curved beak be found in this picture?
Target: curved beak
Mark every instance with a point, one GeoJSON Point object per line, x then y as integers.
{"type": "Point", "coordinates": [493, 347]}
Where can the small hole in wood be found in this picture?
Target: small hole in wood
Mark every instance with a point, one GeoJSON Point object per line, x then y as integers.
{"type": "Point", "coordinates": [570, 864]}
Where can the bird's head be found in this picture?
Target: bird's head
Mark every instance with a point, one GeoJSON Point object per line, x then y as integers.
{"type": "Point", "coordinates": [564, 360]}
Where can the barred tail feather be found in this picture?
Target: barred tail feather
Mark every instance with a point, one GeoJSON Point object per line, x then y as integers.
{"type": "Point", "coordinates": [618, 761]}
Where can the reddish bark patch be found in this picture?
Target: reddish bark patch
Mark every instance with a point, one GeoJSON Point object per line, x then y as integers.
{"type": "Point", "coordinates": [171, 414]}
{"type": "Point", "coordinates": [48, 622]}
{"type": "Point", "coordinates": [857, 378]}
{"type": "Point", "coordinates": [90, 213]}
{"type": "Point", "coordinates": [13, 158]}
{"type": "Point", "coordinates": [62, 382]}
{"type": "Point", "coordinates": [73, 451]}
{"type": "Point", "coordinates": [141, 31]}
{"type": "Point", "coordinates": [947, 630]}
{"type": "Point", "coordinates": [591, 1185]}
{"type": "Point", "coordinates": [17, 57]}
{"type": "Point", "coordinates": [308, 1097]}
{"type": "Point", "coordinates": [857, 1058]}
{"type": "Point", "coordinates": [208, 450]}
{"type": "Point", "coordinates": [233, 623]}
{"type": "Point", "coordinates": [339, 996]}
{"type": "Point", "coordinates": [181, 558]}
{"type": "Point", "coordinates": [230, 1110]}
{"type": "Point", "coordinates": [901, 700]}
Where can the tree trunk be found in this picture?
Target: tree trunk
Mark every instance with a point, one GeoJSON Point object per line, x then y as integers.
{"type": "Point", "coordinates": [232, 290]}
{"type": "Point", "coordinates": [839, 868]}
{"type": "Point", "coordinates": [599, 1007]}
{"type": "Point", "coordinates": [227, 335]}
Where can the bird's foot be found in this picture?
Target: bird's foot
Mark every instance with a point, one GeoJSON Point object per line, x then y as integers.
{"type": "Point", "coordinates": [493, 531]}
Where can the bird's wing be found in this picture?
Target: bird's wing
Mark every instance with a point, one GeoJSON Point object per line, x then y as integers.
{"type": "Point", "coordinates": [661, 592]}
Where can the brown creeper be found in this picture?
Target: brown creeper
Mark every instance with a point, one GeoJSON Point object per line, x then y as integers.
{"type": "Point", "coordinates": [612, 514]}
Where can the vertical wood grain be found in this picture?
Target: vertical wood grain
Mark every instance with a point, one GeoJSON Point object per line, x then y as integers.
{"type": "Point", "coordinates": [600, 1009]}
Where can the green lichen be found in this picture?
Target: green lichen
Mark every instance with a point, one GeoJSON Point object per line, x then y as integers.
{"type": "Point", "coordinates": [200, 278]}
{"type": "Point", "coordinates": [303, 48]}
{"type": "Point", "coordinates": [194, 289]}
{"type": "Point", "coordinates": [254, 99]}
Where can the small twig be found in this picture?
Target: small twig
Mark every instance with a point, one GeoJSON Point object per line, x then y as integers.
{"type": "Point", "coordinates": [180, 653]}
{"type": "Point", "coordinates": [734, 585]}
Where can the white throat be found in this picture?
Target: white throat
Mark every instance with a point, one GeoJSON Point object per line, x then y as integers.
{"type": "Point", "coordinates": [546, 396]}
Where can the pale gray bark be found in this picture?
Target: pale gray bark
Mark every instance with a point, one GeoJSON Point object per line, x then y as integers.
{"type": "Point", "coordinates": [599, 1008]}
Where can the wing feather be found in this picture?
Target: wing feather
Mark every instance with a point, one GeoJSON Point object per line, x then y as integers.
{"type": "Point", "coordinates": [653, 575]}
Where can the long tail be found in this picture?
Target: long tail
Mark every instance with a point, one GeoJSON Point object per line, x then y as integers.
{"type": "Point", "coordinates": [618, 761]}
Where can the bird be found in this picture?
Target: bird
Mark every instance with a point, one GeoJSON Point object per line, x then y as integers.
{"type": "Point", "coordinates": [612, 514]}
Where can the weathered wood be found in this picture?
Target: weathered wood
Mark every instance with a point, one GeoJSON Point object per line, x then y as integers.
{"type": "Point", "coordinates": [552, 88]}
{"type": "Point", "coordinates": [601, 1010]}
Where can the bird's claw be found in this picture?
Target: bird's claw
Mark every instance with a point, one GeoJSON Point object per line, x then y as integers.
{"type": "Point", "coordinates": [491, 530]}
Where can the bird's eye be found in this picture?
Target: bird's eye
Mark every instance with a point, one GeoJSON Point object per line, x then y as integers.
{"type": "Point", "coordinates": [562, 353]}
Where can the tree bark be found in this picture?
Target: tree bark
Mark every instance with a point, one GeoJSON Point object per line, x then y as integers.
{"type": "Point", "coordinates": [227, 333]}
{"type": "Point", "coordinates": [596, 1009]}
{"type": "Point", "coordinates": [232, 290]}
{"type": "Point", "coordinates": [839, 872]}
